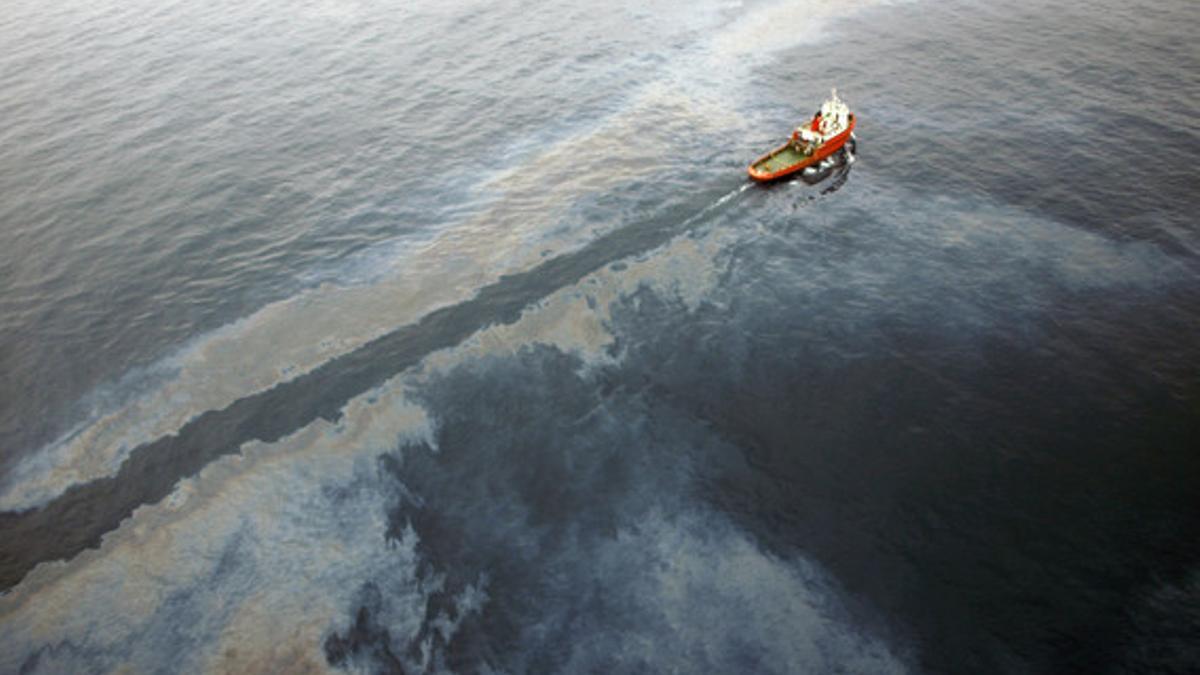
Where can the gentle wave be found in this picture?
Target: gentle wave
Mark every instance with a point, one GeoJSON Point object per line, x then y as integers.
{"type": "Point", "coordinates": [530, 216]}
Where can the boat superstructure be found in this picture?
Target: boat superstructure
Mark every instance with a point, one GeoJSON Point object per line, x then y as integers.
{"type": "Point", "coordinates": [811, 143]}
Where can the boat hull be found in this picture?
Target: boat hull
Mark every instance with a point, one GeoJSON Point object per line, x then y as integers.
{"type": "Point", "coordinates": [780, 163]}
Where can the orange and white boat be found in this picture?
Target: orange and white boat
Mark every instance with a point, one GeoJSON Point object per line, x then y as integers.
{"type": "Point", "coordinates": [811, 144]}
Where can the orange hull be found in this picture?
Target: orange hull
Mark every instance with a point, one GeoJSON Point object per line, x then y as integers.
{"type": "Point", "coordinates": [828, 148]}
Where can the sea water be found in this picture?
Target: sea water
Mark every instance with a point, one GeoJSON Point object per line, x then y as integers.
{"type": "Point", "coordinates": [450, 336]}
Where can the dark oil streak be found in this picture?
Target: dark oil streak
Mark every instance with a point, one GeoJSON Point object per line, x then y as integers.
{"type": "Point", "coordinates": [78, 519]}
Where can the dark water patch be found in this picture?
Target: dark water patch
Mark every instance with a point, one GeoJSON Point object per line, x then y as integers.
{"type": "Point", "coordinates": [1074, 113]}
{"type": "Point", "coordinates": [367, 643]}
{"type": "Point", "coordinates": [534, 467]}
{"type": "Point", "coordinates": [78, 518]}
{"type": "Point", "coordinates": [572, 492]}
{"type": "Point", "coordinates": [1007, 492]}
{"type": "Point", "coordinates": [1007, 481]}
{"type": "Point", "coordinates": [1163, 633]}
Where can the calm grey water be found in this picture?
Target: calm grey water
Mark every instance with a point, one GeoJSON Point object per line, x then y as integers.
{"type": "Point", "coordinates": [450, 337]}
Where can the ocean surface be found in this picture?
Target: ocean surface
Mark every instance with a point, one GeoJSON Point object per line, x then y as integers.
{"type": "Point", "coordinates": [450, 336]}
